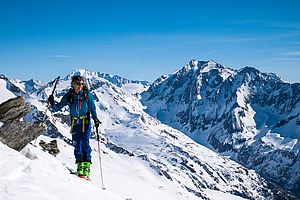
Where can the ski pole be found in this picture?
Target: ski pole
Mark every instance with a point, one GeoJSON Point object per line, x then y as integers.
{"type": "Point", "coordinates": [98, 139]}
{"type": "Point", "coordinates": [55, 80]}
{"type": "Point", "coordinates": [44, 118]}
{"type": "Point", "coordinates": [55, 83]}
{"type": "Point", "coordinates": [99, 151]}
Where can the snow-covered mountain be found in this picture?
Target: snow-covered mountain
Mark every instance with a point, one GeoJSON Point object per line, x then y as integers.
{"type": "Point", "coordinates": [120, 81]}
{"type": "Point", "coordinates": [35, 86]}
{"type": "Point", "coordinates": [8, 89]}
{"type": "Point", "coordinates": [251, 116]}
{"type": "Point", "coordinates": [129, 86]}
{"type": "Point", "coordinates": [29, 86]}
{"type": "Point", "coordinates": [142, 158]}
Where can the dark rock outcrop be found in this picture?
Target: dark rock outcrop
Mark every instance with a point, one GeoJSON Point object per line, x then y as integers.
{"type": "Point", "coordinates": [51, 147]}
{"type": "Point", "coordinates": [16, 133]}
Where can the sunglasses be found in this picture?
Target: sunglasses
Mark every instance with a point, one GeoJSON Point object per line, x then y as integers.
{"type": "Point", "coordinates": [79, 83]}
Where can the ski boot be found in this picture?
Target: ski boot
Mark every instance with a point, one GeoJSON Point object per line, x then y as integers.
{"type": "Point", "coordinates": [80, 169]}
{"type": "Point", "coordinates": [86, 169]}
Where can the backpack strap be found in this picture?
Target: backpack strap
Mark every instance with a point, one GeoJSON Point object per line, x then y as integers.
{"type": "Point", "coordinates": [70, 96]}
{"type": "Point", "coordinates": [85, 93]}
{"type": "Point", "coordinates": [86, 98]}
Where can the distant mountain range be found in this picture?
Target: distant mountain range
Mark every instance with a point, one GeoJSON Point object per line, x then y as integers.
{"type": "Point", "coordinates": [249, 116]}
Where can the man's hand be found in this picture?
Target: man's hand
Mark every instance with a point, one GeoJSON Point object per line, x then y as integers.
{"type": "Point", "coordinates": [51, 99]}
{"type": "Point", "coordinates": [97, 122]}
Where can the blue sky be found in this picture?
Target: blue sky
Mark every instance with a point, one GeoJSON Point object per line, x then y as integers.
{"type": "Point", "coordinates": [145, 39]}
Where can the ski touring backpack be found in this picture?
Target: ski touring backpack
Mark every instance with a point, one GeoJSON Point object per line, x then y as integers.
{"type": "Point", "coordinates": [70, 98]}
{"type": "Point", "coordinates": [85, 119]}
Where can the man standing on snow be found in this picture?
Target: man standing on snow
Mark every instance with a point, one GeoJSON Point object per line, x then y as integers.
{"type": "Point", "coordinates": [82, 108]}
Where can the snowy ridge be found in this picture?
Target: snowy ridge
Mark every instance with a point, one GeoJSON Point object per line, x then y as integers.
{"type": "Point", "coordinates": [29, 86]}
{"type": "Point", "coordinates": [245, 114]}
{"type": "Point", "coordinates": [120, 81]}
{"type": "Point", "coordinates": [8, 89]}
{"type": "Point", "coordinates": [129, 86]}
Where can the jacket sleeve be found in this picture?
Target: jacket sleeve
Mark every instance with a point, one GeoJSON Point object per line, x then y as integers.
{"type": "Point", "coordinates": [92, 106]}
{"type": "Point", "coordinates": [63, 102]}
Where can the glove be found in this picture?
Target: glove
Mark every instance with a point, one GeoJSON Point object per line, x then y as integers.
{"type": "Point", "coordinates": [97, 122]}
{"type": "Point", "coordinates": [51, 99]}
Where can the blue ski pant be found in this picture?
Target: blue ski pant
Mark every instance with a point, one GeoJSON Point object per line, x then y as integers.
{"type": "Point", "coordinates": [81, 143]}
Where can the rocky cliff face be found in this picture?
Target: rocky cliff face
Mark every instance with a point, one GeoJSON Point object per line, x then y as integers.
{"type": "Point", "coordinates": [14, 132]}
{"type": "Point", "coordinates": [249, 115]}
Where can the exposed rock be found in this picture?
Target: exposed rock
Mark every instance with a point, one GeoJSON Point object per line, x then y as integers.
{"type": "Point", "coordinates": [51, 147]}
{"type": "Point", "coordinates": [13, 109]}
{"type": "Point", "coordinates": [15, 133]}
{"type": "Point", "coordinates": [118, 149]}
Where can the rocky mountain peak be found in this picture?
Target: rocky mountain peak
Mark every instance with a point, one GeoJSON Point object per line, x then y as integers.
{"type": "Point", "coordinates": [233, 111]}
{"type": "Point", "coordinates": [82, 72]}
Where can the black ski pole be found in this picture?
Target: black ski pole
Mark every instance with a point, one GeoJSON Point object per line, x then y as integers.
{"type": "Point", "coordinates": [55, 83]}
{"type": "Point", "coordinates": [44, 118]}
{"type": "Point", "coordinates": [55, 80]}
{"type": "Point", "coordinates": [99, 152]}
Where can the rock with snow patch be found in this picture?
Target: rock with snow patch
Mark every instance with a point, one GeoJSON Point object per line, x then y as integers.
{"type": "Point", "coordinates": [15, 133]}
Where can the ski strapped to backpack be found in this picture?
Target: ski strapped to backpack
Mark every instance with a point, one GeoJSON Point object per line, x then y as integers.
{"type": "Point", "coordinates": [85, 119]}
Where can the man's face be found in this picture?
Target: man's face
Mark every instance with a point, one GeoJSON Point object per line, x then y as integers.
{"type": "Point", "coordinates": [78, 85]}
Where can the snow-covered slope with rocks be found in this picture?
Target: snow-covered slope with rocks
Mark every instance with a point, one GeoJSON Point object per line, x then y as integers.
{"type": "Point", "coordinates": [29, 86]}
{"type": "Point", "coordinates": [8, 89]}
{"type": "Point", "coordinates": [142, 158]}
{"type": "Point", "coordinates": [251, 116]}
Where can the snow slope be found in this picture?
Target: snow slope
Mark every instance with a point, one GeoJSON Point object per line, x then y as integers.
{"type": "Point", "coordinates": [42, 177]}
{"type": "Point", "coordinates": [34, 174]}
{"type": "Point", "coordinates": [133, 88]}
